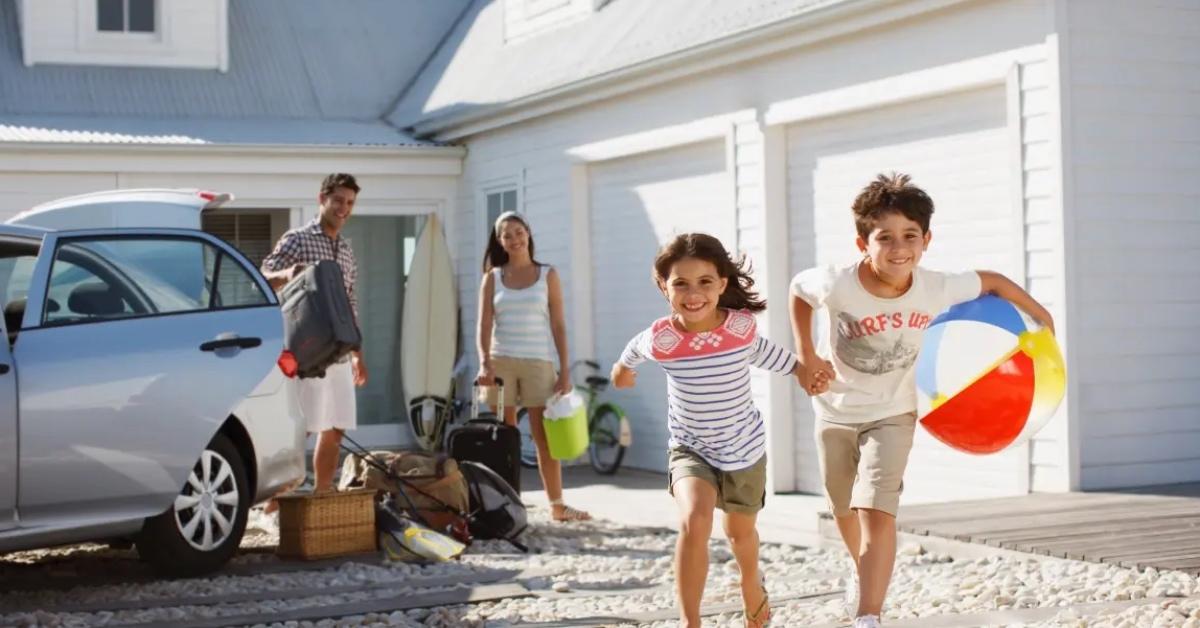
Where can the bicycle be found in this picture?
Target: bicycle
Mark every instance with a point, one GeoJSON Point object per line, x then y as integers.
{"type": "Point", "coordinates": [608, 427]}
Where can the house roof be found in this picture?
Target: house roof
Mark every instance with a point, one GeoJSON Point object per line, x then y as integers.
{"type": "Point", "coordinates": [300, 72]}
{"type": "Point", "coordinates": [476, 68]}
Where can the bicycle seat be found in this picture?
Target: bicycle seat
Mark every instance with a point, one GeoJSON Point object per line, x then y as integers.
{"type": "Point", "coordinates": [597, 382]}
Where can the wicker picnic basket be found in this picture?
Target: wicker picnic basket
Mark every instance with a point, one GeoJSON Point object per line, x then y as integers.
{"type": "Point", "coordinates": [322, 525]}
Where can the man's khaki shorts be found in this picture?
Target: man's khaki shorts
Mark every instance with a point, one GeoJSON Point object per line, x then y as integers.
{"type": "Point", "coordinates": [862, 464]}
{"type": "Point", "coordinates": [742, 491]}
{"type": "Point", "coordinates": [528, 383]}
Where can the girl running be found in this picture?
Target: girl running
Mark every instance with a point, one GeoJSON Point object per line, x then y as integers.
{"type": "Point", "coordinates": [717, 456]}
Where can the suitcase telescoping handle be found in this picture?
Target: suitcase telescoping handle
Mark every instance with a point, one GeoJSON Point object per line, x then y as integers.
{"type": "Point", "coordinates": [499, 398]}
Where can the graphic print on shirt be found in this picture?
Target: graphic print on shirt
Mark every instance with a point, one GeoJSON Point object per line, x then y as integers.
{"type": "Point", "coordinates": [879, 344]}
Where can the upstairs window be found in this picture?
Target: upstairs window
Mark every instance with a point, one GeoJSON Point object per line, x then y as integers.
{"type": "Point", "coordinates": [126, 16]}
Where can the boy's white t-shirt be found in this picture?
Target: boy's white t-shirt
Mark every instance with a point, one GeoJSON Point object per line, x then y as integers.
{"type": "Point", "coordinates": [873, 341]}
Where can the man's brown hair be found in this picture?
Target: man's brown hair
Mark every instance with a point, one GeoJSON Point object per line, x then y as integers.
{"type": "Point", "coordinates": [887, 194]}
{"type": "Point", "coordinates": [339, 180]}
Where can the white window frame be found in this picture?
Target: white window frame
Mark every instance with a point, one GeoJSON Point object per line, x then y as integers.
{"type": "Point", "coordinates": [89, 37]}
{"type": "Point", "coordinates": [499, 185]}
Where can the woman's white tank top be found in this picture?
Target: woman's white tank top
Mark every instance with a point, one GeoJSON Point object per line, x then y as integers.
{"type": "Point", "coordinates": [522, 319]}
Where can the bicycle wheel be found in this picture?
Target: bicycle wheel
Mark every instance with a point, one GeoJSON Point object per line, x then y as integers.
{"type": "Point", "coordinates": [605, 449]}
{"type": "Point", "coordinates": [528, 448]}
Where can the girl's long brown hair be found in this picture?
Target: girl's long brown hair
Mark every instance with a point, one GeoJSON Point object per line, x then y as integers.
{"type": "Point", "coordinates": [739, 293]}
{"type": "Point", "coordinates": [494, 255]}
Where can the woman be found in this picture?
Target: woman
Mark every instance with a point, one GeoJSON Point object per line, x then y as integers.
{"type": "Point", "coordinates": [521, 330]}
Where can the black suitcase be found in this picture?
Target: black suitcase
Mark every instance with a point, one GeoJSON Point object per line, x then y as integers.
{"type": "Point", "coordinates": [318, 324]}
{"type": "Point", "coordinates": [487, 440]}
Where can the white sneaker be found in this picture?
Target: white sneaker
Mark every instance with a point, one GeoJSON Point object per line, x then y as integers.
{"type": "Point", "coordinates": [867, 621]}
{"type": "Point", "coordinates": [850, 597]}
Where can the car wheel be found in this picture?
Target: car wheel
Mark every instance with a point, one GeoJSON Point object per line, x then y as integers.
{"type": "Point", "coordinates": [204, 526]}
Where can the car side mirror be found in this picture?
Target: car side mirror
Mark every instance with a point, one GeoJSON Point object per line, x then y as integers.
{"type": "Point", "coordinates": [52, 305]}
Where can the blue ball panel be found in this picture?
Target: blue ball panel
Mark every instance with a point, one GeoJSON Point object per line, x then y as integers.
{"type": "Point", "coordinates": [989, 309]}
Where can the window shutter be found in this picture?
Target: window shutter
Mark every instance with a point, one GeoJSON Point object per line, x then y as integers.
{"type": "Point", "coordinates": [249, 233]}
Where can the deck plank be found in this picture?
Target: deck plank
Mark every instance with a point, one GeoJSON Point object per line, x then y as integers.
{"type": "Point", "coordinates": [1155, 526]}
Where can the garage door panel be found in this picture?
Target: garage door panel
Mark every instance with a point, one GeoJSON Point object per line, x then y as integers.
{"type": "Point", "coordinates": [956, 148]}
{"type": "Point", "coordinates": [637, 204]}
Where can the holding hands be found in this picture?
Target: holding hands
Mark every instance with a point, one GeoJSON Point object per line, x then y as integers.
{"type": "Point", "coordinates": [814, 373]}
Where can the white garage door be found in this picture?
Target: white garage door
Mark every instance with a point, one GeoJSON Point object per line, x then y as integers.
{"type": "Point", "coordinates": [956, 148]}
{"type": "Point", "coordinates": [637, 204]}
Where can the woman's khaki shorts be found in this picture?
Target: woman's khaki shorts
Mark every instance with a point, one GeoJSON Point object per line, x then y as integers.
{"type": "Point", "coordinates": [528, 383]}
{"type": "Point", "coordinates": [862, 464]}
{"type": "Point", "coordinates": [743, 491]}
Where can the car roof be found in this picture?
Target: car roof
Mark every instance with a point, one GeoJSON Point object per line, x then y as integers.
{"type": "Point", "coordinates": [137, 208]}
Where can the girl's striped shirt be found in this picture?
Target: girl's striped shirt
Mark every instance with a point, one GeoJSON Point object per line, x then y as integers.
{"type": "Point", "coordinates": [709, 406]}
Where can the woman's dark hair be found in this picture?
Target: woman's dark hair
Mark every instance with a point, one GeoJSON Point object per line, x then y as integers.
{"type": "Point", "coordinates": [739, 292]}
{"type": "Point", "coordinates": [494, 256]}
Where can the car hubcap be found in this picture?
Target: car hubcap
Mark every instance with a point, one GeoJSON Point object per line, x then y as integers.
{"type": "Point", "coordinates": [207, 506]}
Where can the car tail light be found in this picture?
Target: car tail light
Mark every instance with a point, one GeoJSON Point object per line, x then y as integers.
{"type": "Point", "coordinates": [287, 363]}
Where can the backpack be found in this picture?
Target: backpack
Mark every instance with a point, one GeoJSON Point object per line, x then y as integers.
{"type": "Point", "coordinates": [318, 323]}
{"type": "Point", "coordinates": [496, 509]}
{"type": "Point", "coordinates": [433, 491]}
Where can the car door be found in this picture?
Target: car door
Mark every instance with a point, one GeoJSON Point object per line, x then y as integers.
{"type": "Point", "coordinates": [8, 434]}
{"type": "Point", "coordinates": [17, 258]}
{"type": "Point", "coordinates": [138, 346]}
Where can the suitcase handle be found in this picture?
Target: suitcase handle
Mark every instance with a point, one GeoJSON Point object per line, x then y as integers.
{"type": "Point", "coordinates": [475, 386]}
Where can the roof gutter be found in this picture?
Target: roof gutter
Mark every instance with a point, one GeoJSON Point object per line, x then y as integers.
{"type": "Point", "coordinates": [412, 150]}
{"type": "Point", "coordinates": [819, 23]}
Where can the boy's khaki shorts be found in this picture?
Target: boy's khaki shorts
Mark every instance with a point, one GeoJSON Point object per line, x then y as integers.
{"type": "Point", "coordinates": [862, 464]}
{"type": "Point", "coordinates": [742, 491]}
{"type": "Point", "coordinates": [528, 382]}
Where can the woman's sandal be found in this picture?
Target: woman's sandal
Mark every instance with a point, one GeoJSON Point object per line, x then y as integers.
{"type": "Point", "coordinates": [569, 513]}
{"type": "Point", "coordinates": [761, 617]}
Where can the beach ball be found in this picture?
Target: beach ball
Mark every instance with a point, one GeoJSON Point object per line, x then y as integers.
{"type": "Point", "coordinates": [986, 381]}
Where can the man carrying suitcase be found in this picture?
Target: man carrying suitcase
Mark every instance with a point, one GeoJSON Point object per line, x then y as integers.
{"type": "Point", "coordinates": [327, 402]}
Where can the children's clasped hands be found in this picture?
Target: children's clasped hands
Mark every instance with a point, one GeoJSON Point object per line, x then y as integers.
{"type": "Point", "coordinates": [814, 373]}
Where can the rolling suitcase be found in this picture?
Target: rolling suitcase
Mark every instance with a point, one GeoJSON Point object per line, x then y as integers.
{"type": "Point", "coordinates": [318, 324]}
{"type": "Point", "coordinates": [487, 440]}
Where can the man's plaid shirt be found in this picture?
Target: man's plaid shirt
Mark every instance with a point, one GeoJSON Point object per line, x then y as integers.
{"type": "Point", "coordinates": [308, 245]}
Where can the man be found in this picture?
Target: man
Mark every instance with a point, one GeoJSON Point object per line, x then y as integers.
{"type": "Point", "coordinates": [327, 402]}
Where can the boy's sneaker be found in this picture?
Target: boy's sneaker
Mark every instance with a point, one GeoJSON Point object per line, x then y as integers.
{"type": "Point", "coordinates": [867, 621]}
{"type": "Point", "coordinates": [850, 597]}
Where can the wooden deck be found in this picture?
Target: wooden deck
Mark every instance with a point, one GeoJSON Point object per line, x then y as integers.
{"type": "Point", "coordinates": [1148, 527]}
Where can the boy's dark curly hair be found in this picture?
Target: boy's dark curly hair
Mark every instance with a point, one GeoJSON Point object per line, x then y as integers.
{"type": "Point", "coordinates": [891, 193]}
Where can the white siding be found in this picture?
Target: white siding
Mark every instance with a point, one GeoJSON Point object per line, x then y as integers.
{"type": "Point", "coordinates": [638, 204]}
{"type": "Point", "coordinates": [537, 150]}
{"type": "Point", "coordinates": [1042, 217]}
{"type": "Point", "coordinates": [1134, 153]}
{"type": "Point", "coordinates": [957, 149]}
{"type": "Point", "coordinates": [192, 34]}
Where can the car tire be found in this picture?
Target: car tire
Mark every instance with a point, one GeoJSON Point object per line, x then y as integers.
{"type": "Point", "coordinates": [203, 527]}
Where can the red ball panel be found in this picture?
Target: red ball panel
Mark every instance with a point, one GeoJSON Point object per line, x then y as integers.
{"type": "Point", "coordinates": [988, 415]}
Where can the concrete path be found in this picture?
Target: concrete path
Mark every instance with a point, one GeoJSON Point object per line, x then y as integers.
{"type": "Point", "coordinates": [636, 497]}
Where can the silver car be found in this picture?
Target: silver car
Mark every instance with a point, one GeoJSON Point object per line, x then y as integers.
{"type": "Point", "coordinates": [143, 392]}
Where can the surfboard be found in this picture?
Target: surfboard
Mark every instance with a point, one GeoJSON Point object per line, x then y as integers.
{"type": "Point", "coordinates": [428, 334]}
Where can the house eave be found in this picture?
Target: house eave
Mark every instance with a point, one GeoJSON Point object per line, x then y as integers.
{"type": "Point", "coordinates": [820, 23]}
{"type": "Point", "coordinates": [408, 150]}
{"type": "Point", "coordinates": [200, 160]}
